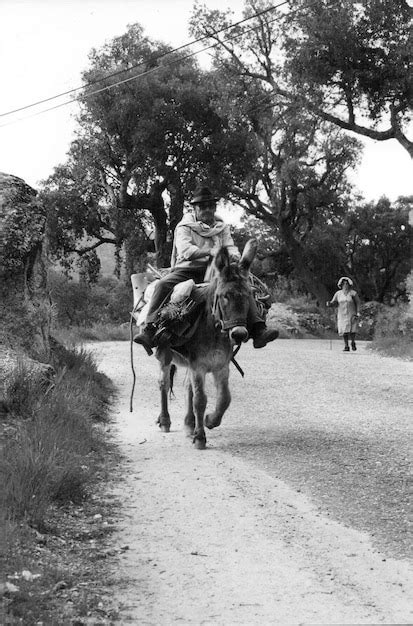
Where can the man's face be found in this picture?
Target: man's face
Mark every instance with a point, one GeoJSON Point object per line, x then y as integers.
{"type": "Point", "coordinates": [205, 212]}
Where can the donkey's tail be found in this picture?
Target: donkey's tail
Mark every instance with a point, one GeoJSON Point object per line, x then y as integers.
{"type": "Point", "coordinates": [172, 373]}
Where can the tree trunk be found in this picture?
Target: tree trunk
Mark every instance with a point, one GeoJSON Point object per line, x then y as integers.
{"type": "Point", "coordinates": [156, 207]}
{"type": "Point", "coordinates": [176, 209]}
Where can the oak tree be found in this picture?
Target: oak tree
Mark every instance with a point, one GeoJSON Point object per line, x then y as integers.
{"type": "Point", "coordinates": [145, 136]}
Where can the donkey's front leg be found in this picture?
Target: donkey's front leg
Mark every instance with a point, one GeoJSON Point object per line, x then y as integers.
{"type": "Point", "coordinates": [199, 405]}
{"type": "Point", "coordinates": [164, 419]}
{"type": "Point", "coordinates": [212, 420]}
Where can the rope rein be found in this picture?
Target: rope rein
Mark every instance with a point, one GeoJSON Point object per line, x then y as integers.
{"type": "Point", "coordinates": [261, 295]}
{"type": "Point", "coordinates": [135, 308]}
{"type": "Point", "coordinates": [237, 365]}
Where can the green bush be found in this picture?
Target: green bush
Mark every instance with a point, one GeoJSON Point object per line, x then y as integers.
{"type": "Point", "coordinates": [395, 321]}
{"type": "Point", "coordinates": [280, 316]}
{"type": "Point", "coordinates": [393, 331]}
{"type": "Point", "coordinates": [318, 324]}
{"type": "Point", "coordinates": [369, 312]}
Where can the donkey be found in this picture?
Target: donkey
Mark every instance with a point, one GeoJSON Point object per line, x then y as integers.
{"type": "Point", "coordinates": [222, 325]}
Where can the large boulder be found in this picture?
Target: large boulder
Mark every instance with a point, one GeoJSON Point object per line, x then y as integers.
{"type": "Point", "coordinates": [25, 309]}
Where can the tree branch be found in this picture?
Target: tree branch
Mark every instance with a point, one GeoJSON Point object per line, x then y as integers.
{"type": "Point", "coordinates": [101, 241]}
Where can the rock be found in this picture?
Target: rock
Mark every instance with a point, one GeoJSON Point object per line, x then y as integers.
{"type": "Point", "coordinates": [41, 539]}
{"type": "Point", "coordinates": [111, 552]}
{"type": "Point", "coordinates": [27, 575]}
{"type": "Point", "coordinates": [25, 308]}
{"type": "Point", "coordinates": [8, 589]}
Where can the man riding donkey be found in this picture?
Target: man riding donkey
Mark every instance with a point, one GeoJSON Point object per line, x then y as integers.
{"type": "Point", "coordinates": [197, 239]}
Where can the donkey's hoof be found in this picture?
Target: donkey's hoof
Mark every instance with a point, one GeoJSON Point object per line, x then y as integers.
{"type": "Point", "coordinates": [165, 428]}
{"type": "Point", "coordinates": [200, 444]}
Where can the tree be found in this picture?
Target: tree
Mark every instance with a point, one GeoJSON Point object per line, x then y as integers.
{"type": "Point", "coordinates": [350, 63]}
{"type": "Point", "coordinates": [379, 240]}
{"type": "Point", "coordinates": [296, 180]}
{"type": "Point", "coordinates": [136, 141]}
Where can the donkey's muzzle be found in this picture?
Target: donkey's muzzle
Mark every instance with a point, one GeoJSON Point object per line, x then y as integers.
{"type": "Point", "coordinates": [238, 334]}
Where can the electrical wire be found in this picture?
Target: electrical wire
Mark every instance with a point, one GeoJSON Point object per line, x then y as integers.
{"type": "Point", "coordinates": [132, 67]}
{"type": "Point", "coordinates": [154, 69]}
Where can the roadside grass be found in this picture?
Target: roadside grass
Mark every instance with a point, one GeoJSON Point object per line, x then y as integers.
{"type": "Point", "coordinates": [51, 446]}
{"type": "Point", "coordinates": [22, 391]}
{"type": "Point", "coordinates": [51, 433]}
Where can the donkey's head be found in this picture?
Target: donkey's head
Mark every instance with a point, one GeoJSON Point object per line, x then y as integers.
{"type": "Point", "coordinates": [230, 292]}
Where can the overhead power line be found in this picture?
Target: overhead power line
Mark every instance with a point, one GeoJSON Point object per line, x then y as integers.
{"type": "Point", "coordinates": [153, 69]}
{"type": "Point", "coordinates": [132, 67]}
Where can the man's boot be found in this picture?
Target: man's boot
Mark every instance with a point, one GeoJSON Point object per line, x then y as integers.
{"type": "Point", "coordinates": [146, 338]}
{"type": "Point", "coordinates": [262, 335]}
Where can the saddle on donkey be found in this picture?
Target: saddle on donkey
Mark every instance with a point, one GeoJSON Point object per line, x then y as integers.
{"type": "Point", "coordinates": [179, 317]}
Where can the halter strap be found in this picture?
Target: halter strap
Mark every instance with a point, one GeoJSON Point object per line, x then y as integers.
{"type": "Point", "coordinates": [218, 315]}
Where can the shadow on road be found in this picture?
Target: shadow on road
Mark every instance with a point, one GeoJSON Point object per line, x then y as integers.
{"type": "Point", "coordinates": [360, 482]}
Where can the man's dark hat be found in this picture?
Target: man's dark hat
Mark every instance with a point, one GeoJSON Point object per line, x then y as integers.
{"type": "Point", "coordinates": [203, 194]}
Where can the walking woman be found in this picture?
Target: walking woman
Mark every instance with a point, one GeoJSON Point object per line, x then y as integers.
{"type": "Point", "coordinates": [348, 303]}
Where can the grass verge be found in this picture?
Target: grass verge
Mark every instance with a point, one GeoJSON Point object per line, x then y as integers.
{"type": "Point", "coordinates": [52, 450]}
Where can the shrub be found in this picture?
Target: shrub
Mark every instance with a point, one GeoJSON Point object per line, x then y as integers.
{"type": "Point", "coordinates": [393, 331]}
{"type": "Point", "coordinates": [369, 312]}
{"type": "Point", "coordinates": [282, 318]}
{"type": "Point", "coordinates": [79, 304]}
{"type": "Point", "coordinates": [317, 324]}
{"type": "Point", "coordinates": [394, 321]}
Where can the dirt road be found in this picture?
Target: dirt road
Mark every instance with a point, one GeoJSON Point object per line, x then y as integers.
{"type": "Point", "coordinates": [295, 514]}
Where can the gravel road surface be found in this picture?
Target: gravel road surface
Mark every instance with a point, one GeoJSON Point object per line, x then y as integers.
{"type": "Point", "coordinates": [297, 512]}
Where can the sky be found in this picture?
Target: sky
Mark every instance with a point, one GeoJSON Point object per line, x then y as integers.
{"type": "Point", "coordinates": [44, 47]}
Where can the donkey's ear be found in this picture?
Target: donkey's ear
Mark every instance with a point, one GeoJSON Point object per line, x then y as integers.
{"type": "Point", "coordinates": [222, 259]}
{"type": "Point", "coordinates": [248, 254]}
